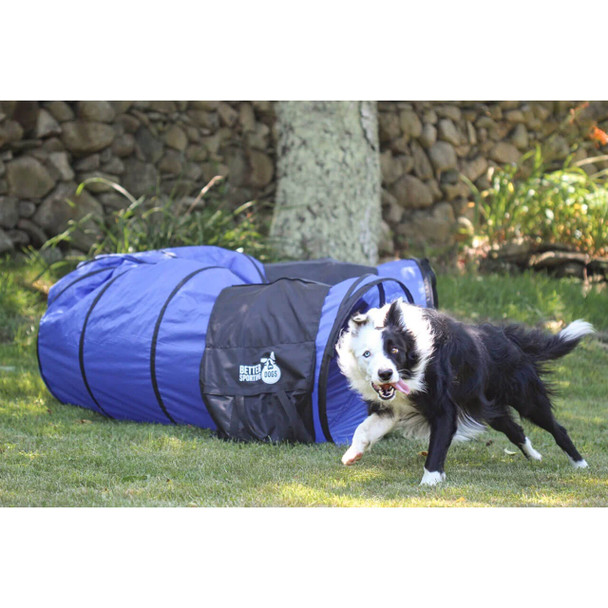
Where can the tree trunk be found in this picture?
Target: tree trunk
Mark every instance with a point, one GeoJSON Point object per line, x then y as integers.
{"type": "Point", "coordinates": [328, 181]}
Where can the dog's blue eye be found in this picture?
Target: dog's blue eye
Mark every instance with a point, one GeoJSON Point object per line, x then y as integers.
{"type": "Point", "coordinates": [367, 354]}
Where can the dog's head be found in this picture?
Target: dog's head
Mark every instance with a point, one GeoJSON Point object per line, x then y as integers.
{"type": "Point", "coordinates": [384, 351]}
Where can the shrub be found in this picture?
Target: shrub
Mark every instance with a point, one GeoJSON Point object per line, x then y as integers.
{"type": "Point", "coordinates": [158, 222]}
{"type": "Point", "coordinates": [565, 207]}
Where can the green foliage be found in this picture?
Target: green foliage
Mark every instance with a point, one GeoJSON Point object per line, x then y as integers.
{"type": "Point", "coordinates": [21, 302]}
{"type": "Point", "coordinates": [565, 207]}
{"type": "Point", "coordinates": [161, 221]}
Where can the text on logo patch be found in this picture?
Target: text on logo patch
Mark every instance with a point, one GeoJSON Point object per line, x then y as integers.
{"type": "Point", "coordinates": [266, 370]}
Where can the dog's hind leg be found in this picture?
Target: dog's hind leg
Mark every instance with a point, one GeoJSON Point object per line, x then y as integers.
{"type": "Point", "coordinates": [515, 433]}
{"type": "Point", "coordinates": [542, 416]}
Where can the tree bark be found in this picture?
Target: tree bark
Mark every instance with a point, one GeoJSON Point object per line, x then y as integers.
{"type": "Point", "coordinates": [328, 181]}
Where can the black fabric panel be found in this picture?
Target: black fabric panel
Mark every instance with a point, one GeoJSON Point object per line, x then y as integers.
{"type": "Point", "coordinates": [326, 270]}
{"type": "Point", "coordinates": [430, 283]}
{"type": "Point", "coordinates": [263, 417]}
{"type": "Point", "coordinates": [257, 370]}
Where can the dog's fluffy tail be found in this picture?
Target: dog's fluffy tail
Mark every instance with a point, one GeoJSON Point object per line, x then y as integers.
{"type": "Point", "coordinates": [575, 331]}
{"type": "Point", "coordinates": [542, 347]}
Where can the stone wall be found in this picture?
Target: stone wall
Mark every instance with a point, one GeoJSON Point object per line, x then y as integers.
{"type": "Point", "coordinates": [426, 145]}
{"type": "Point", "coordinates": [173, 148]}
{"type": "Point", "coordinates": [48, 148]}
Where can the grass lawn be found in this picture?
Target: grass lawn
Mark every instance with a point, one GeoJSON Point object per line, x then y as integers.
{"type": "Point", "coordinates": [60, 455]}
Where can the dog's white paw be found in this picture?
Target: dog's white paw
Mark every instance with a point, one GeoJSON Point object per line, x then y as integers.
{"type": "Point", "coordinates": [432, 478]}
{"type": "Point", "coordinates": [530, 451]}
{"type": "Point", "coordinates": [578, 464]}
{"type": "Point", "coordinates": [351, 456]}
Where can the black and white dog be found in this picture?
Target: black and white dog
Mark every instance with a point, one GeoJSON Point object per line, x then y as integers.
{"type": "Point", "coordinates": [432, 376]}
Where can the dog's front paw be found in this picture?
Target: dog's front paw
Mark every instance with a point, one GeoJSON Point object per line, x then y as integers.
{"type": "Point", "coordinates": [432, 478]}
{"type": "Point", "coordinates": [351, 456]}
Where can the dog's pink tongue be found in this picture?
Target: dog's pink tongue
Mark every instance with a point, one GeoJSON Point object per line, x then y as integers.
{"type": "Point", "coordinates": [402, 387]}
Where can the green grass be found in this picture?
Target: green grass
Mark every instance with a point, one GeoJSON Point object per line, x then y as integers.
{"type": "Point", "coordinates": [58, 455]}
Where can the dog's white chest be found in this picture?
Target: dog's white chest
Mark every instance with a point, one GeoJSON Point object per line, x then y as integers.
{"type": "Point", "coordinates": [411, 423]}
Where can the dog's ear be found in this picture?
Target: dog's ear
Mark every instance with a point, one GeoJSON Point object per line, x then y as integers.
{"type": "Point", "coordinates": [393, 316]}
{"type": "Point", "coordinates": [357, 321]}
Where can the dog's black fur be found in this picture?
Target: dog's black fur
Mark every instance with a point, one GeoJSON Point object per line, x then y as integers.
{"type": "Point", "coordinates": [478, 372]}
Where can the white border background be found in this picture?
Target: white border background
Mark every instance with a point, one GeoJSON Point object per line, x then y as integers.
{"type": "Point", "coordinates": [297, 557]}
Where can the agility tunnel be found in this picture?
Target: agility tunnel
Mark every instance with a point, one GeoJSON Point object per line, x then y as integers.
{"type": "Point", "coordinates": [216, 339]}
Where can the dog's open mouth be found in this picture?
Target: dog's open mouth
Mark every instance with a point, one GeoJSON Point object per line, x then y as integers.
{"type": "Point", "coordinates": [387, 391]}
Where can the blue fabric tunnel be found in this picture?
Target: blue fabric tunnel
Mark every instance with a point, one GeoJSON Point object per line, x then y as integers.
{"type": "Point", "coordinates": [216, 339]}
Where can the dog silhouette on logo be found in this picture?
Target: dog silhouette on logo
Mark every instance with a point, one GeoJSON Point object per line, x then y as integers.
{"type": "Point", "coordinates": [271, 373]}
